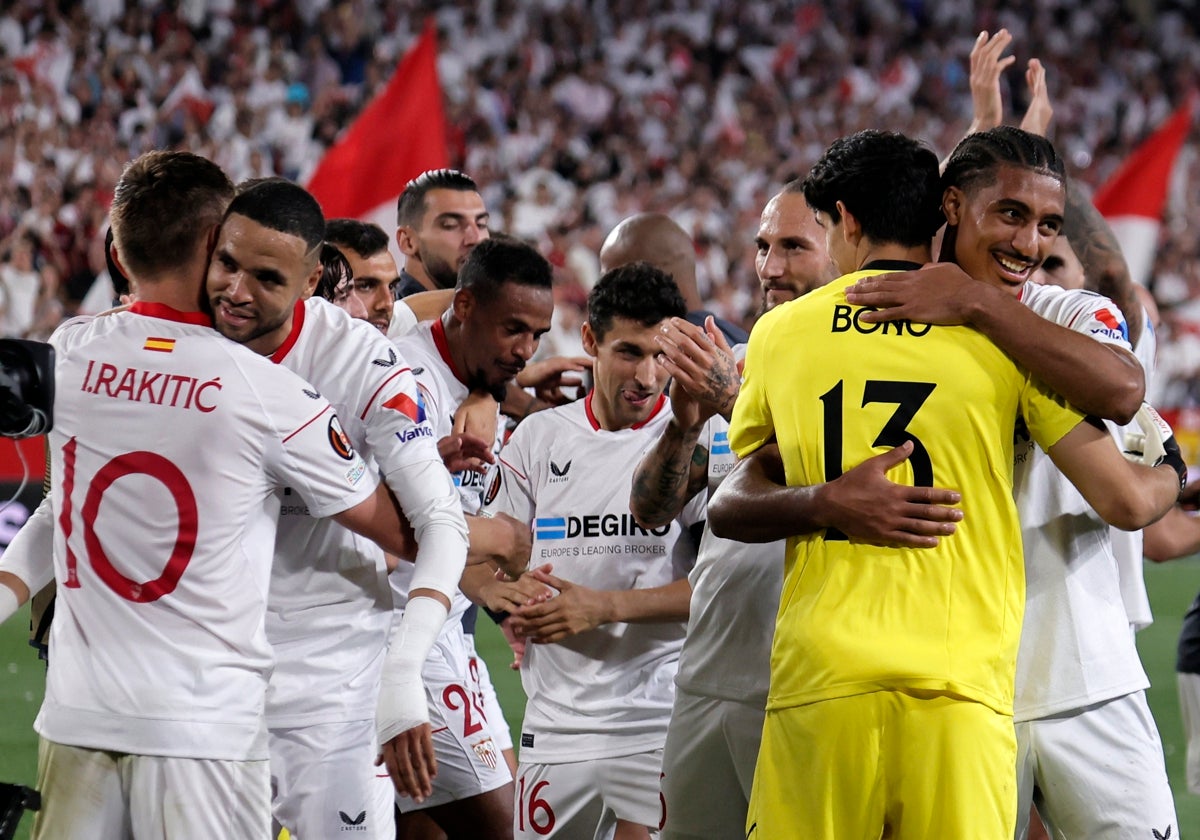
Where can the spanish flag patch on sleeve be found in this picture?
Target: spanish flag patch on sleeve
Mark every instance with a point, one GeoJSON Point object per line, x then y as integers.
{"type": "Point", "coordinates": [161, 345]}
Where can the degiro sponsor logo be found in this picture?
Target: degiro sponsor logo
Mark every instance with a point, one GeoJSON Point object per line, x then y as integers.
{"type": "Point", "coordinates": [596, 525]}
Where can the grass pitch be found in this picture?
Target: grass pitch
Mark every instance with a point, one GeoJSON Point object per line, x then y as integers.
{"type": "Point", "coordinates": [1172, 587]}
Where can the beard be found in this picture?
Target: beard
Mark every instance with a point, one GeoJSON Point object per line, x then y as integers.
{"type": "Point", "coordinates": [443, 274]}
{"type": "Point", "coordinates": [478, 381]}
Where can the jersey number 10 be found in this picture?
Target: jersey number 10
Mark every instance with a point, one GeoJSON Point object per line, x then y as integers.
{"type": "Point", "coordinates": [131, 463]}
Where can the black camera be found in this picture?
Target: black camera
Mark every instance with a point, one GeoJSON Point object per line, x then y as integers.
{"type": "Point", "coordinates": [26, 388]}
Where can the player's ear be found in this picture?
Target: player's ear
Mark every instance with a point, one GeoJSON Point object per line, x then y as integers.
{"type": "Point", "coordinates": [590, 345]}
{"type": "Point", "coordinates": [851, 229]}
{"type": "Point", "coordinates": [116, 258]}
{"type": "Point", "coordinates": [952, 204]}
{"type": "Point", "coordinates": [406, 241]}
{"type": "Point", "coordinates": [310, 285]}
{"type": "Point", "coordinates": [211, 244]}
{"type": "Point", "coordinates": [463, 303]}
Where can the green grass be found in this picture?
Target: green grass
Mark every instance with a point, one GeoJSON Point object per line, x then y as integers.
{"type": "Point", "coordinates": [1172, 587]}
{"type": "Point", "coordinates": [22, 680]}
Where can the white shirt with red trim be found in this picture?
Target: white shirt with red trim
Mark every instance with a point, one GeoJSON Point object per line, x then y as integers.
{"type": "Point", "coordinates": [1076, 647]}
{"type": "Point", "coordinates": [442, 391]}
{"type": "Point", "coordinates": [330, 604]}
{"type": "Point", "coordinates": [608, 691]}
{"type": "Point", "coordinates": [168, 444]}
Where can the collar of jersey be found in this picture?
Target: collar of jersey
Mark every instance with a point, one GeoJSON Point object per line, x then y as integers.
{"type": "Point", "coordinates": [294, 336]}
{"type": "Point", "coordinates": [891, 265]}
{"type": "Point", "coordinates": [591, 416]}
{"type": "Point", "coordinates": [443, 346]}
{"type": "Point", "coordinates": [161, 310]}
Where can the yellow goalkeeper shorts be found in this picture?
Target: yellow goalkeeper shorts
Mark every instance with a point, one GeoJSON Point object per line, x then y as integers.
{"type": "Point", "coordinates": [907, 766]}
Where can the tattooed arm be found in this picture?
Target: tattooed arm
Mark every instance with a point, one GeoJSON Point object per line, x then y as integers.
{"type": "Point", "coordinates": [705, 382]}
{"type": "Point", "coordinates": [673, 471]}
{"type": "Point", "coordinates": [1103, 264]}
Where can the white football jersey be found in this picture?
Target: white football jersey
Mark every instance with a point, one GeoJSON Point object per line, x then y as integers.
{"type": "Point", "coordinates": [169, 442]}
{"type": "Point", "coordinates": [607, 692]}
{"type": "Point", "coordinates": [1127, 545]}
{"type": "Point", "coordinates": [442, 392]}
{"type": "Point", "coordinates": [1076, 647]}
{"type": "Point", "coordinates": [330, 606]}
{"type": "Point", "coordinates": [735, 596]}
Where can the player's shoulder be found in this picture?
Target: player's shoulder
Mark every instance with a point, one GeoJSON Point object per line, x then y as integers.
{"type": "Point", "coordinates": [71, 332]}
{"type": "Point", "coordinates": [551, 423]}
{"type": "Point", "coordinates": [335, 335]}
{"type": "Point", "coordinates": [1081, 310]}
{"type": "Point", "coordinates": [421, 351]}
{"type": "Point", "coordinates": [1040, 297]}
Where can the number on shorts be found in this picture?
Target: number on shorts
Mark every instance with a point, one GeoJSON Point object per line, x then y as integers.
{"type": "Point", "coordinates": [533, 807]}
{"type": "Point", "coordinates": [470, 725]}
{"type": "Point", "coordinates": [131, 463]}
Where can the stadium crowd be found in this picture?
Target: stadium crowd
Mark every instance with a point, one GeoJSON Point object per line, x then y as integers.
{"type": "Point", "coordinates": [694, 142]}
{"type": "Point", "coordinates": [570, 115]}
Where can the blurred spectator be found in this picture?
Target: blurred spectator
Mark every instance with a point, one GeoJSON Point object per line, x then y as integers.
{"type": "Point", "coordinates": [21, 288]}
{"type": "Point", "coordinates": [573, 115]}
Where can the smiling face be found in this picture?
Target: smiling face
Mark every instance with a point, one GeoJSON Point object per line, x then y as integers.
{"type": "Point", "coordinates": [255, 277]}
{"type": "Point", "coordinates": [627, 374]}
{"type": "Point", "coordinates": [1004, 230]}
{"type": "Point", "coordinates": [792, 257]}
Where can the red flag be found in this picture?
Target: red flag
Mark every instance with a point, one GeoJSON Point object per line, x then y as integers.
{"type": "Point", "coordinates": [399, 135]}
{"type": "Point", "coordinates": [1132, 200]}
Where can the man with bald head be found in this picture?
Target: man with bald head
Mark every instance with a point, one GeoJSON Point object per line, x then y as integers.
{"type": "Point", "coordinates": [656, 239]}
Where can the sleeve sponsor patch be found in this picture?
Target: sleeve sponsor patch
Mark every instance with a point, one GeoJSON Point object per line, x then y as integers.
{"type": "Point", "coordinates": [494, 488]}
{"type": "Point", "coordinates": [414, 411]}
{"type": "Point", "coordinates": [339, 441]}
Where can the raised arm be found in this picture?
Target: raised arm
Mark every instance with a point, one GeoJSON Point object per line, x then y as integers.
{"type": "Point", "coordinates": [987, 63]}
{"type": "Point", "coordinates": [753, 504]}
{"type": "Point", "coordinates": [704, 382]}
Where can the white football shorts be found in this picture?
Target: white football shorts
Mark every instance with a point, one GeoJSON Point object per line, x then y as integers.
{"type": "Point", "coordinates": [586, 798]}
{"type": "Point", "coordinates": [491, 703]}
{"type": "Point", "coordinates": [1099, 773]}
{"type": "Point", "coordinates": [324, 781]}
{"type": "Point", "coordinates": [93, 793]}
{"type": "Point", "coordinates": [708, 766]}
{"type": "Point", "coordinates": [469, 758]}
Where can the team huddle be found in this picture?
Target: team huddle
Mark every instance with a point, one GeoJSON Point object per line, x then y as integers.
{"type": "Point", "coordinates": [851, 576]}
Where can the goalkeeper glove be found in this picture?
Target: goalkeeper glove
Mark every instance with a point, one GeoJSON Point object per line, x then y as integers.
{"type": "Point", "coordinates": [1155, 444]}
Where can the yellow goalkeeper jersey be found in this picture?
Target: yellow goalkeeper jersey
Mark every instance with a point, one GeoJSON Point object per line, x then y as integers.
{"type": "Point", "coordinates": [835, 391]}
